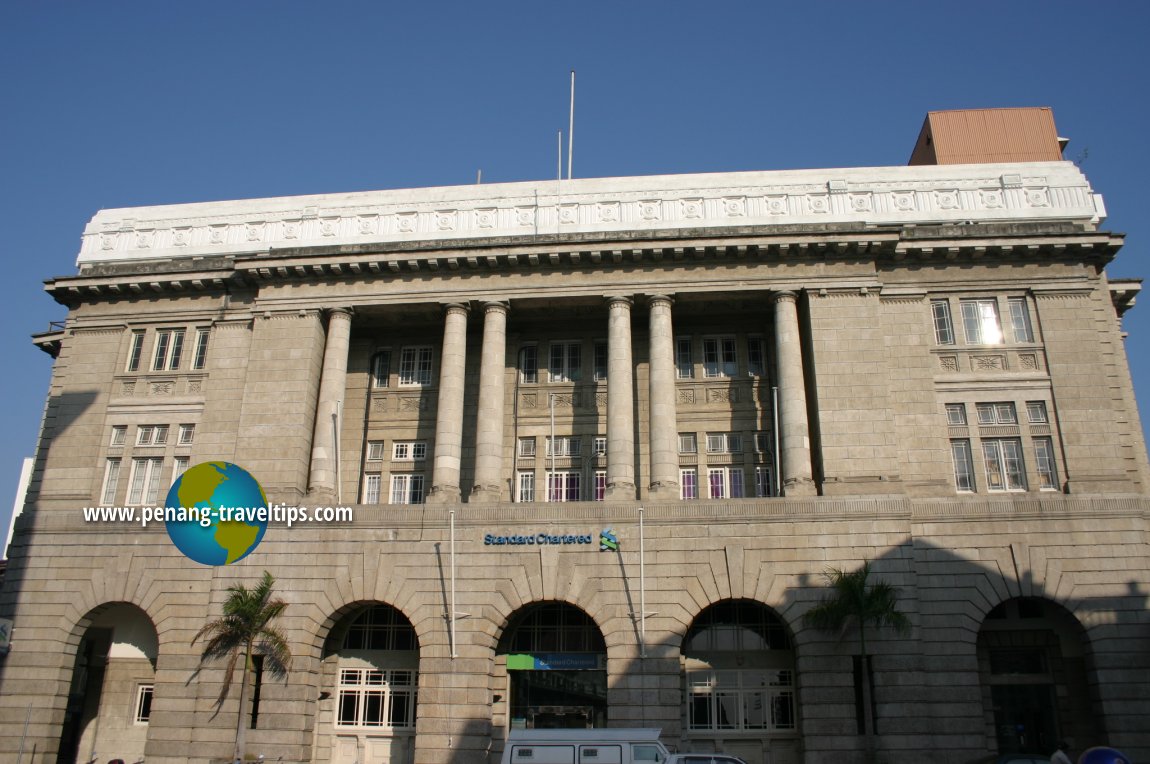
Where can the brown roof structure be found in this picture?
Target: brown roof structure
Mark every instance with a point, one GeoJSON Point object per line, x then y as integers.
{"type": "Point", "coordinates": [982, 136]}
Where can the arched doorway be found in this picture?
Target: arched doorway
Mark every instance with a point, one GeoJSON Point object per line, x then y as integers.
{"type": "Point", "coordinates": [556, 662]}
{"type": "Point", "coordinates": [370, 678]}
{"type": "Point", "coordinates": [113, 683]}
{"type": "Point", "coordinates": [1033, 664]}
{"type": "Point", "coordinates": [739, 683]}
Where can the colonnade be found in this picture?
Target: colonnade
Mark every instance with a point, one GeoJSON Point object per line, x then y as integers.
{"type": "Point", "coordinates": [795, 450]}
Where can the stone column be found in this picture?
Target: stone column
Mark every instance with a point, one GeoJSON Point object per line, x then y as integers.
{"type": "Point", "coordinates": [795, 434]}
{"type": "Point", "coordinates": [323, 479]}
{"type": "Point", "coordinates": [620, 402]}
{"type": "Point", "coordinates": [449, 408]}
{"type": "Point", "coordinates": [664, 429]}
{"type": "Point", "coordinates": [489, 430]}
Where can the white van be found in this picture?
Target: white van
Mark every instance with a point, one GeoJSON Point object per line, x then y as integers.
{"type": "Point", "coordinates": [584, 746]}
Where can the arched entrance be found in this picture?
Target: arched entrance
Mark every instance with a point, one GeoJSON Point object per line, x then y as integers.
{"type": "Point", "coordinates": [1033, 664]}
{"type": "Point", "coordinates": [739, 679]}
{"type": "Point", "coordinates": [370, 679]}
{"type": "Point", "coordinates": [556, 663]}
{"type": "Point", "coordinates": [113, 683]}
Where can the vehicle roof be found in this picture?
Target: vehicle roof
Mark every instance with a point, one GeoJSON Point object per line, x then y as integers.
{"type": "Point", "coordinates": [635, 734]}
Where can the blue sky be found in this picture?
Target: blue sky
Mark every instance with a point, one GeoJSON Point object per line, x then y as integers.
{"type": "Point", "coordinates": [122, 103]}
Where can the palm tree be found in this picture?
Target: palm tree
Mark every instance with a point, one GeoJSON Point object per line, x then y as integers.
{"type": "Point", "coordinates": [244, 629]}
{"type": "Point", "coordinates": [854, 600]}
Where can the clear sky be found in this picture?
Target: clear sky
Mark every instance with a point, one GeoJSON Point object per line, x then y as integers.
{"type": "Point", "coordinates": [141, 102]}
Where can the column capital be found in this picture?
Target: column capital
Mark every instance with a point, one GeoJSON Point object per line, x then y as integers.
{"type": "Point", "coordinates": [340, 310]}
{"type": "Point", "coordinates": [456, 307]}
{"type": "Point", "coordinates": [494, 306]}
{"type": "Point", "coordinates": [618, 299]}
{"type": "Point", "coordinates": [657, 299]}
{"type": "Point", "coordinates": [785, 295]}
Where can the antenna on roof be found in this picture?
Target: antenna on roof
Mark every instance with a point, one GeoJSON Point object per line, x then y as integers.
{"type": "Point", "coordinates": [571, 126]}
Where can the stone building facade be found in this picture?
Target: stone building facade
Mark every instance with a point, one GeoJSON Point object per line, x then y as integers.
{"type": "Point", "coordinates": [602, 439]}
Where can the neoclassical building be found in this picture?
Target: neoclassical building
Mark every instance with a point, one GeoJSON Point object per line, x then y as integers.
{"type": "Point", "coordinates": [602, 439]}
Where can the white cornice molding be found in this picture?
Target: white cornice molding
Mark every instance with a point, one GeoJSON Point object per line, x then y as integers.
{"type": "Point", "coordinates": [864, 196]}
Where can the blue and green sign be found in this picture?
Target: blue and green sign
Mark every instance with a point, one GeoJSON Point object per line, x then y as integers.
{"type": "Point", "coordinates": [555, 661]}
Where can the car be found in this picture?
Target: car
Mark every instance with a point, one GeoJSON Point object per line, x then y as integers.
{"type": "Point", "coordinates": [704, 758]}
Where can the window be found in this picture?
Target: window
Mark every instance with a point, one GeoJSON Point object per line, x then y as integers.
{"type": "Point", "coordinates": [684, 365]}
{"type": "Point", "coordinates": [119, 435]}
{"type": "Point", "coordinates": [600, 485]}
{"type": "Point", "coordinates": [565, 446]}
{"type": "Point", "coordinates": [688, 484]}
{"type": "Point", "coordinates": [599, 446]}
{"type": "Point", "coordinates": [688, 443]}
{"type": "Point", "coordinates": [111, 481]}
{"type": "Point", "coordinates": [169, 347]}
{"type": "Point", "coordinates": [135, 350]}
{"type": "Point", "coordinates": [725, 482]}
{"type": "Point", "coordinates": [151, 435]}
{"type": "Point", "coordinates": [415, 366]}
{"type": "Point", "coordinates": [563, 486]}
{"type": "Point", "coordinates": [1036, 412]}
{"type": "Point", "coordinates": [996, 413]}
{"type": "Point", "coordinates": [179, 467]}
{"type": "Point", "coordinates": [980, 322]}
{"type": "Point", "coordinates": [763, 443]}
{"type": "Point", "coordinates": [187, 435]}
{"type": "Point", "coordinates": [526, 447]}
{"type": "Point", "coordinates": [764, 484]}
{"type": "Point", "coordinates": [376, 698]}
{"type": "Point", "coordinates": [1020, 320]}
{"type": "Point", "coordinates": [565, 362]}
{"type": "Point", "coordinates": [956, 414]}
{"type": "Point", "coordinates": [756, 365]}
{"type": "Point", "coordinates": [963, 465]}
{"type": "Point", "coordinates": [375, 450]}
{"type": "Point", "coordinates": [719, 359]}
{"type": "Point", "coordinates": [371, 487]}
{"type": "Point", "coordinates": [407, 489]}
{"type": "Point", "coordinates": [145, 483]}
{"type": "Point", "coordinates": [600, 361]}
{"type": "Point", "coordinates": [1004, 467]}
{"type": "Point", "coordinates": [1044, 459]}
{"type": "Point", "coordinates": [724, 443]}
{"type": "Point", "coordinates": [200, 359]}
{"type": "Point", "coordinates": [381, 369]}
{"type": "Point", "coordinates": [741, 700]}
{"type": "Point", "coordinates": [409, 451]}
{"type": "Point", "coordinates": [526, 487]}
{"type": "Point", "coordinates": [529, 364]}
{"type": "Point", "coordinates": [144, 703]}
{"type": "Point", "coordinates": [943, 328]}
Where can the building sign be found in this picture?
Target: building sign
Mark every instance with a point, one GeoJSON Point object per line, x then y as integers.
{"type": "Point", "coordinates": [556, 661]}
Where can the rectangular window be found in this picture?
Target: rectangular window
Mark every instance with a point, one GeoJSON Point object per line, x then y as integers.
{"type": "Point", "coordinates": [187, 435]}
{"type": "Point", "coordinates": [764, 484]}
{"type": "Point", "coordinates": [742, 699]}
{"type": "Point", "coordinates": [566, 362]}
{"type": "Point", "coordinates": [756, 363]}
{"type": "Point", "coordinates": [200, 359]}
{"type": "Point", "coordinates": [415, 366]}
{"type": "Point", "coordinates": [763, 443]}
{"type": "Point", "coordinates": [688, 443]}
{"type": "Point", "coordinates": [381, 369]}
{"type": "Point", "coordinates": [144, 694]}
{"type": "Point", "coordinates": [599, 446]}
{"type": "Point", "coordinates": [144, 487]}
{"type": "Point", "coordinates": [169, 348]}
{"type": "Point", "coordinates": [563, 486]}
{"type": "Point", "coordinates": [956, 414]}
{"type": "Point", "coordinates": [111, 481]}
{"type": "Point", "coordinates": [963, 465]}
{"type": "Point", "coordinates": [375, 450]}
{"type": "Point", "coordinates": [1036, 412]}
{"type": "Point", "coordinates": [719, 358]}
{"type": "Point", "coordinates": [372, 483]}
{"type": "Point", "coordinates": [1044, 461]}
{"type": "Point", "coordinates": [725, 482]}
{"type": "Point", "coordinates": [684, 365]}
{"type": "Point", "coordinates": [135, 350]}
{"type": "Point", "coordinates": [409, 451]}
{"type": "Point", "coordinates": [724, 443]}
{"type": "Point", "coordinates": [526, 487]}
{"type": "Point", "coordinates": [1020, 320]}
{"type": "Point", "coordinates": [600, 485]}
{"type": "Point", "coordinates": [407, 489]}
{"type": "Point", "coordinates": [980, 322]}
{"type": "Point", "coordinates": [119, 435]}
{"type": "Point", "coordinates": [600, 361]}
{"type": "Point", "coordinates": [152, 435]}
{"type": "Point", "coordinates": [529, 364]}
{"type": "Point", "coordinates": [943, 328]}
{"type": "Point", "coordinates": [688, 484]}
{"type": "Point", "coordinates": [526, 447]}
{"type": "Point", "coordinates": [565, 446]}
{"type": "Point", "coordinates": [179, 467]}
{"type": "Point", "coordinates": [376, 699]}
{"type": "Point", "coordinates": [1004, 466]}
{"type": "Point", "coordinates": [996, 413]}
